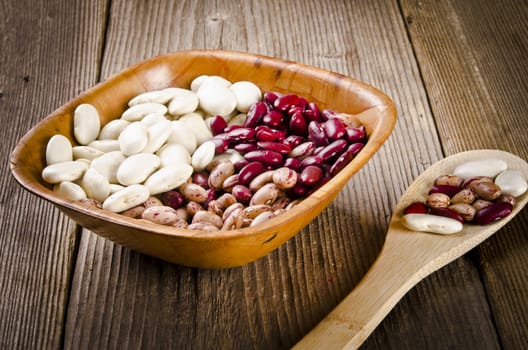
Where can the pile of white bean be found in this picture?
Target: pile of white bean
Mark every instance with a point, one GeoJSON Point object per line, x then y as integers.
{"type": "Point", "coordinates": [153, 147]}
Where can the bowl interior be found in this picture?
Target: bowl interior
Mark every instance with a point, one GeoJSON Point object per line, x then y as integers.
{"type": "Point", "coordinates": [362, 102]}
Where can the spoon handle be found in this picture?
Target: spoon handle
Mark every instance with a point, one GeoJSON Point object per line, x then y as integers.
{"type": "Point", "coordinates": [392, 275]}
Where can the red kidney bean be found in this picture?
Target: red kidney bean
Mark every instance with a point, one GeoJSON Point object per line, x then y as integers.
{"type": "Point", "coordinates": [327, 114]}
{"type": "Point", "coordinates": [345, 158]}
{"type": "Point", "coordinates": [284, 178]}
{"type": "Point", "coordinates": [318, 150]}
{"type": "Point", "coordinates": [220, 173]}
{"type": "Point", "coordinates": [201, 178]}
{"type": "Point", "coordinates": [245, 147]}
{"type": "Point", "coordinates": [285, 102]}
{"type": "Point", "coordinates": [299, 190]}
{"type": "Point", "coordinates": [415, 208]}
{"type": "Point", "coordinates": [270, 97]}
{"type": "Point", "coordinates": [273, 118]}
{"type": "Point", "coordinates": [281, 148]}
{"type": "Point", "coordinates": [220, 145]}
{"type": "Point", "coordinates": [173, 199]}
{"type": "Point", "coordinates": [293, 163]}
{"type": "Point", "coordinates": [447, 213]}
{"type": "Point", "coordinates": [294, 140]}
{"type": "Point", "coordinates": [311, 160]}
{"type": "Point", "coordinates": [264, 156]}
{"type": "Point", "coordinates": [354, 135]}
{"type": "Point", "coordinates": [264, 133]}
{"type": "Point", "coordinates": [310, 175]}
{"type": "Point", "coordinates": [241, 134]}
{"type": "Point", "coordinates": [493, 212]}
{"type": "Point", "coordinates": [334, 128]}
{"type": "Point", "coordinates": [239, 164]}
{"type": "Point", "coordinates": [302, 102]}
{"type": "Point", "coordinates": [445, 189]}
{"type": "Point", "coordinates": [334, 149]}
{"type": "Point", "coordinates": [255, 114]}
{"type": "Point", "coordinates": [230, 128]}
{"type": "Point", "coordinates": [241, 193]}
{"type": "Point", "coordinates": [316, 134]}
{"type": "Point", "coordinates": [211, 196]}
{"type": "Point", "coordinates": [230, 182]}
{"type": "Point", "coordinates": [304, 150]}
{"type": "Point", "coordinates": [249, 172]}
{"type": "Point", "coordinates": [295, 109]}
{"type": "Point", "coordinates": [298, 125]}
{"type": "Point", "coordinates": [320, 183]}
{"type": "Point", "coordinates": [217, 125]}
{"type": "Point", "coordinates": [316, 113]}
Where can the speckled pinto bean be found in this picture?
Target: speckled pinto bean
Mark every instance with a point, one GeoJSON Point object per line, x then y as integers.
{"type": "Point", "coordinates": [162, 215]}
{"type": "Point", "coordinates": [267, 194]}
{"type": "Point", "coordinates": [220, 173]}
{"type": "Point", "coordinates": [194, 192]}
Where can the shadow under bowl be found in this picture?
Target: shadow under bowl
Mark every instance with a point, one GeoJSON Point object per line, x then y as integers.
{"type": "Point", "coordinates": [220, 249]}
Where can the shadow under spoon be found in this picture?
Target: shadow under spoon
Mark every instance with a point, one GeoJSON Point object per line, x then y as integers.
{"type": "Point", "coordinates": [406, 258]}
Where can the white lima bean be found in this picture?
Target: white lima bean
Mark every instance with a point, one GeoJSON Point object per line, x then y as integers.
{"type": "Point", "coordinates": [136, 168]}
{"type": "Point", "coordinates": [58, 150]}
{"type": "Point", "coordinates": [153, 118]}
{"type": "Point", "coordinates": [173, 154]}
{"type": "Point", "coordinates": [203, 155]}
{"type": "Point", "coordinates": [183, 102]}
{"type": "Point", "coordinates": [168, 178]}
{"type": "Point", "coordinates": [484, 167]}
{"type": "Point", "coordinates": [197, 82]}
{"type": "Point", "coordinates": [157, 135]}
{"type": "Point", "coordinates": [112, 129]}
{"type": "Point", "coordinates": [65, 171]}
{"type": "Point", "coordinates": [126, 198]}
{"type": "Point", "coordinates": [216, 99]}
{"type": "Point", "coordinates": [162, 96]}
{"type": "Point", "coordinates": [107, 165]}
{"type": "Point", "coordinates": [431, 223]}
{"type": "Point", "coordinates": [70, 190]}
{"type": "Point", "coordinates": [246, 94]}
{"type": "Point", "coordinates": [133, 139]}
{"type": "Point", "coordinates": [105, 145]}
{"type": "Point", "coordinates": [511, 182]}
{"type": "Point", "coordinates": [182, 134]}
{"type": "Point", "coordinates": [86, 123]}
{"type": "Point", "coordinates": [86, 152]}
{"type": "Point", "coordinates": [196, 124]}
{"type": "Point", "coordinates": [137, 112]}
{"type": "Point", "coordinates": [95, 185]}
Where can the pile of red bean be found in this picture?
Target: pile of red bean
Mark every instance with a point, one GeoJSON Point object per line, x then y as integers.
{"type": "Point", "coordinates": [289, 149]}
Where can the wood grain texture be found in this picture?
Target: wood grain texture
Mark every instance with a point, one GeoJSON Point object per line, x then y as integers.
{"type": "Point", "coordinates": [50, 52]}
{"type": "Point", "coordinates": [124, 299]}
{"type": "Point", "coordinates": [473, 56]}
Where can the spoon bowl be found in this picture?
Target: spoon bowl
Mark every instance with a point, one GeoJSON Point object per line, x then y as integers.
{"type": "Point", "coordinates": [406, 258]}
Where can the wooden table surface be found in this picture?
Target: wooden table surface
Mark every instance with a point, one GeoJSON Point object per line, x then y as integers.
{"type": "Point", "coordinates": [457, 72]}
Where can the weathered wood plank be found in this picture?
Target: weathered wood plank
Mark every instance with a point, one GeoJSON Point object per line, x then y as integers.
{"type": "Point", "coordinates": [121, 298]}
{"type": "Point", "coordinates": [50, 52]}
{"type": "Point", "coordinates": [473, 56]}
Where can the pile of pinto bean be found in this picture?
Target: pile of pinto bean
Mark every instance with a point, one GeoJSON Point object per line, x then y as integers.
{"type": "Point", "coordinates": [219, 156]}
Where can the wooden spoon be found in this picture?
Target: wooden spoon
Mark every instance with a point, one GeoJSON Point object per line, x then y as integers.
{"type": "Point", "coordinates": [405, 259]}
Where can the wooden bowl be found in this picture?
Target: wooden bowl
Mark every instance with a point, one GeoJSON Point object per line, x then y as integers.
{"type": "Point", "coordinates": [218, 249]}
